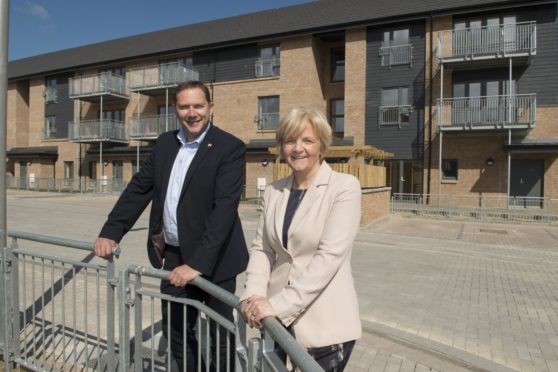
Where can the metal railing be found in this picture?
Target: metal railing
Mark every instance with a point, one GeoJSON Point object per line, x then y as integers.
{"type": "Point", "coordinates": [98, 84]}
{"type": "Point", "coordinates": [486, 207]}
{"type": "Point", "coordinates": [150, 127]}
{"type": "Point", "coordinates": [163, 75]}
{"type": "Point", "coordinates": [56, 320]}
{"type": "Point", "coordinates": [97, 130]}
{"type": "Point", "coordinates": [69, 185]}
{"type": "Point", "coordinates": [395, 115]}
{"type": "Point", "coordinates": [397, 55]}
{"type": "Point", "coordinates": [517, 111]}
{"type": "Point", "coordinates": [267, 67]}
{"type": "Point", "coordinates": [268, 121]}
{"type": "Point", "coordinates": [61, 314]}
{"type": "Point", "coordinates": [488, 41]}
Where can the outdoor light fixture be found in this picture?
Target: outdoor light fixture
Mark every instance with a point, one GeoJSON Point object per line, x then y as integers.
{"type": "Point", "coordinates": [106, 163]}
{"type": "Point", "coordinates": [265, 162]}
{"type": "Point", "coordinates": [489, 162]}
{"type": "Point", "coordinates": [29, 162]}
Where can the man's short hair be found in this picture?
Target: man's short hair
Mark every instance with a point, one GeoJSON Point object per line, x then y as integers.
{"type": "Point", "coordinates": [193, 84]}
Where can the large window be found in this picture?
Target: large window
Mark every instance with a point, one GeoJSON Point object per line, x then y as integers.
{"type": "Point", "coordinates": [337, 116]}
{"type": "Point", "coordinates": [50, 126]}
{"type": "Point", "coordinates": [338, 64]}
{"type": "Point", "coordinates": [485, 35]}
{"type": "Point", "coordinates": [268, 113]}
{"type": "Point", "coordinates": [395, 108]}
{"type": "Point", "coordinates": [396, 48]}
{"type": "Point", "coordinates": [117, 115]}
{"type": "Point", "coordinates": [268, 63]}
{"type": "Point", "coordinates": [51, 90]}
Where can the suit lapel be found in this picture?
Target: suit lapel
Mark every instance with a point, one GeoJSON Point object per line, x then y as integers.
{"type": "Point", "coordinates": [313, 195]}
{"type": "Point", "coordinates": [281, 208]}
{"type": "Point", "coordinates": [205, 146]}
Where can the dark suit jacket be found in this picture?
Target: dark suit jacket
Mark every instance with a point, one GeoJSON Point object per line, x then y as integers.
{"type": "Point", "coordinates": [209, 229]}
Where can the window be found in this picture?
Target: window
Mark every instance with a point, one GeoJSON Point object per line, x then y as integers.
{"type": "Point", "coordinates": [51, 91]}
{"type": "Point", "coordinates": [68, 173]}
{"type": "Point", "coordinates": [396, 49]}
{"type": "Point", "coordinates": [92, 170]}
{"type": "Point", "coordinates": [492, 34]}
{"type": "Point", "coordinates": [50, 126]}
{"type": "Point", "coordinates": [395, 108]}
{"type": "Point", "coordinates": [449, 169]}
{"type": "Point", "coordinates": [338, 64]}
{"type": "Point", "coordinates": [268, 63]}
{"type": "Point", "coordinates": [337, 116]}
{"type": "Point", "coordinates": [117, 115]}
{"type": "Point", "coordinates": [268, 113]}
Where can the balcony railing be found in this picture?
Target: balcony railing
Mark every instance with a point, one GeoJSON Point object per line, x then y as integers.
{"type": "Point", "coordinates": [268, 67]}
{"type": "Point", "coordinates": [150, 127]}
{"type": "Point", "coordinates": [49, 133]}
{"type": "Point", "coordinates": [488, 42]}
{"type": "Point", "coordinates": [161, 76]}
{"type": "Point", "coordinates": [51, 95]}
{"type": "Point", "coordinates": [96, 85]}
{"type": "Point", "coordinates": [489, 112]}
{"type": "Point", "coordinates": [97, 131]}
{"type": "Point", "coordinates": [397, 55]}
{"type": "Point", "coordinates": [268, 121]}
{"type": "Point", "coordinates": [395, 115]}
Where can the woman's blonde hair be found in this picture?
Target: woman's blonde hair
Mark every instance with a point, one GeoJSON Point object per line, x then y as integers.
{"type": "Point", "coordinates": [292, 126]}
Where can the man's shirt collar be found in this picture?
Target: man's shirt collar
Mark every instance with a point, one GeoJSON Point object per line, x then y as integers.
{"type": "Point", "coordinates": [182, 136]}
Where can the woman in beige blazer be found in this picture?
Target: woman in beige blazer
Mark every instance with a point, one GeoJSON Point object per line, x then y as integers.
{"type": "Point", "coordinates": [300, 259]}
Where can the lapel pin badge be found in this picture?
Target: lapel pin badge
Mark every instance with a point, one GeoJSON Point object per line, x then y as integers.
{"type": "Point", "coordinates": [209, 144]}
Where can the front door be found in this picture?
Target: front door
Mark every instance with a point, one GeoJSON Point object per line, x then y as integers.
{"type": "Point", "coordinates": [526, 182]}
{"type": "Point", "coordinates": [23, 174]}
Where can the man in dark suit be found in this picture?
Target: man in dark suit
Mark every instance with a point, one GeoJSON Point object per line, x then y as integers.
{"type": "Point", "coordinates": [193, 178]}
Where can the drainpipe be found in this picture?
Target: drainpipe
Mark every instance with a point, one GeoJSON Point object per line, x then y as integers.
{"type": "Point", "coordinates": [429, 171]}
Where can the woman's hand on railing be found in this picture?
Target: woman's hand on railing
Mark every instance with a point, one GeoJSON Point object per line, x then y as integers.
{"type": "Point", "coordinates": [254, 309]}
{"type": "Point", "coordinates": [106, 248]}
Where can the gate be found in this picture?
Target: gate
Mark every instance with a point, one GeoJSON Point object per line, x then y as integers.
{"type": "Point", "coordinates": [61, 312]}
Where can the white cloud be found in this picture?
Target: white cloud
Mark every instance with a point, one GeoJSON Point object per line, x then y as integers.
{"type": "Point", "coordinates": [37, 10]}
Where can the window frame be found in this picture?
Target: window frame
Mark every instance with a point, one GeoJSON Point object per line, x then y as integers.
{"type": "Point", "coordinates": [337, 65]}
{"type": "Point", "coordinates": [274, 119]}
{"type": "Point", "coordinates": [50, 128]}
{"type": "Point", "coordinates": [450, 165]}
{"type": "Point", "coordinates": [333, 116]}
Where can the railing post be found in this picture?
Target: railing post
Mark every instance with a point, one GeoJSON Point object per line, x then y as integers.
{"type": "Point", "coordinates": [112, 281]}
{"type": "Point", "coordinates": [124, 319]}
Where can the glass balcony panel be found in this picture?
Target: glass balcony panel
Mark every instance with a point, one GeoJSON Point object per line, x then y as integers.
{"type": "Point", "coordinates": [268, 67]}
{"type": "Point", "coordinates": [97, 130]}
{"type": "Point", "coordinates": [103, 83]}
{"type": "Point", "coordinates": [150, 127]}
{"type": "Point", "coordinates": [161, 76]}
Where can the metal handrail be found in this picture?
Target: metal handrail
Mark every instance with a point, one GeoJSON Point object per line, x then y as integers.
{"type": "Point", "coordinates": [397, 54]}
{"type": "Point", "coordinates": [395, 115]}
{"type": "Point", "coordinates": [97, 84]}
{"type": "Point", "coordinates": [297, 354]}
{"type": "Point", "coordinates": [97, 129]}
{"type": "Point", "coordinates": [161, 76]}
{"type": "Point", "coordinates": [267, 67]}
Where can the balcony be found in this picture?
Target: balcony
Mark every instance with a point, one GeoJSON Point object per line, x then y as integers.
{"type": "Point", "coordinates": [267, 122]}
{"type": "Point", "coordinates": [167, 75]}
{"type": "Point", "coordinates": [397, 55]}
{"type": "Point", "coordinates": [395, 115]}
{"type": "Point", "coordinates": [90, 131]}
{"type": "Point", "coordinates": [150, 127]}
{"type": "Point", "coordinates": [267, 68]}
{"type": "Point", "coordinates": [488, 43]}
{"type": "Point", "coordinates": [51, 95]}
{"type": "Point", "coordinates": [487, 113]}
{"type": "Point", "coordinates": [94, 86]}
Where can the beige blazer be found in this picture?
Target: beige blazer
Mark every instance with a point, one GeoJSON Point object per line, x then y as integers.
{"type": "Point", "coordinates": [310, 284]}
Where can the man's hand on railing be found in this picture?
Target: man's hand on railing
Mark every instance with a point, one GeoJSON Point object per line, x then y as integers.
{"type": "Point", "coordinates": [182, 275]}
{"type": "Point", "coordinates": [106, 248]}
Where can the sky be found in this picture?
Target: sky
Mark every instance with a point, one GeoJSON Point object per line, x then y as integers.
{"type": "Point", "coordinates": [43, 26]}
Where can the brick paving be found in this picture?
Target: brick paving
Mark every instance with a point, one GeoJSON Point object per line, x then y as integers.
{"type": "Point", "coordinates": [435, 294]}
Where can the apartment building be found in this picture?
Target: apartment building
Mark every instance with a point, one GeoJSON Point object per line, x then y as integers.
{"type": "Point", "coordinates": [468, 87]}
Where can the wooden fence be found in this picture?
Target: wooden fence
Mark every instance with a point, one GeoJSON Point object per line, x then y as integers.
{"type": "Point", "coordinates": [368, 175]}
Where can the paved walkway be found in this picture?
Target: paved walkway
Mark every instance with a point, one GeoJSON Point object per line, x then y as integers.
{"type": "Point", "coordinates": [434, 294]}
